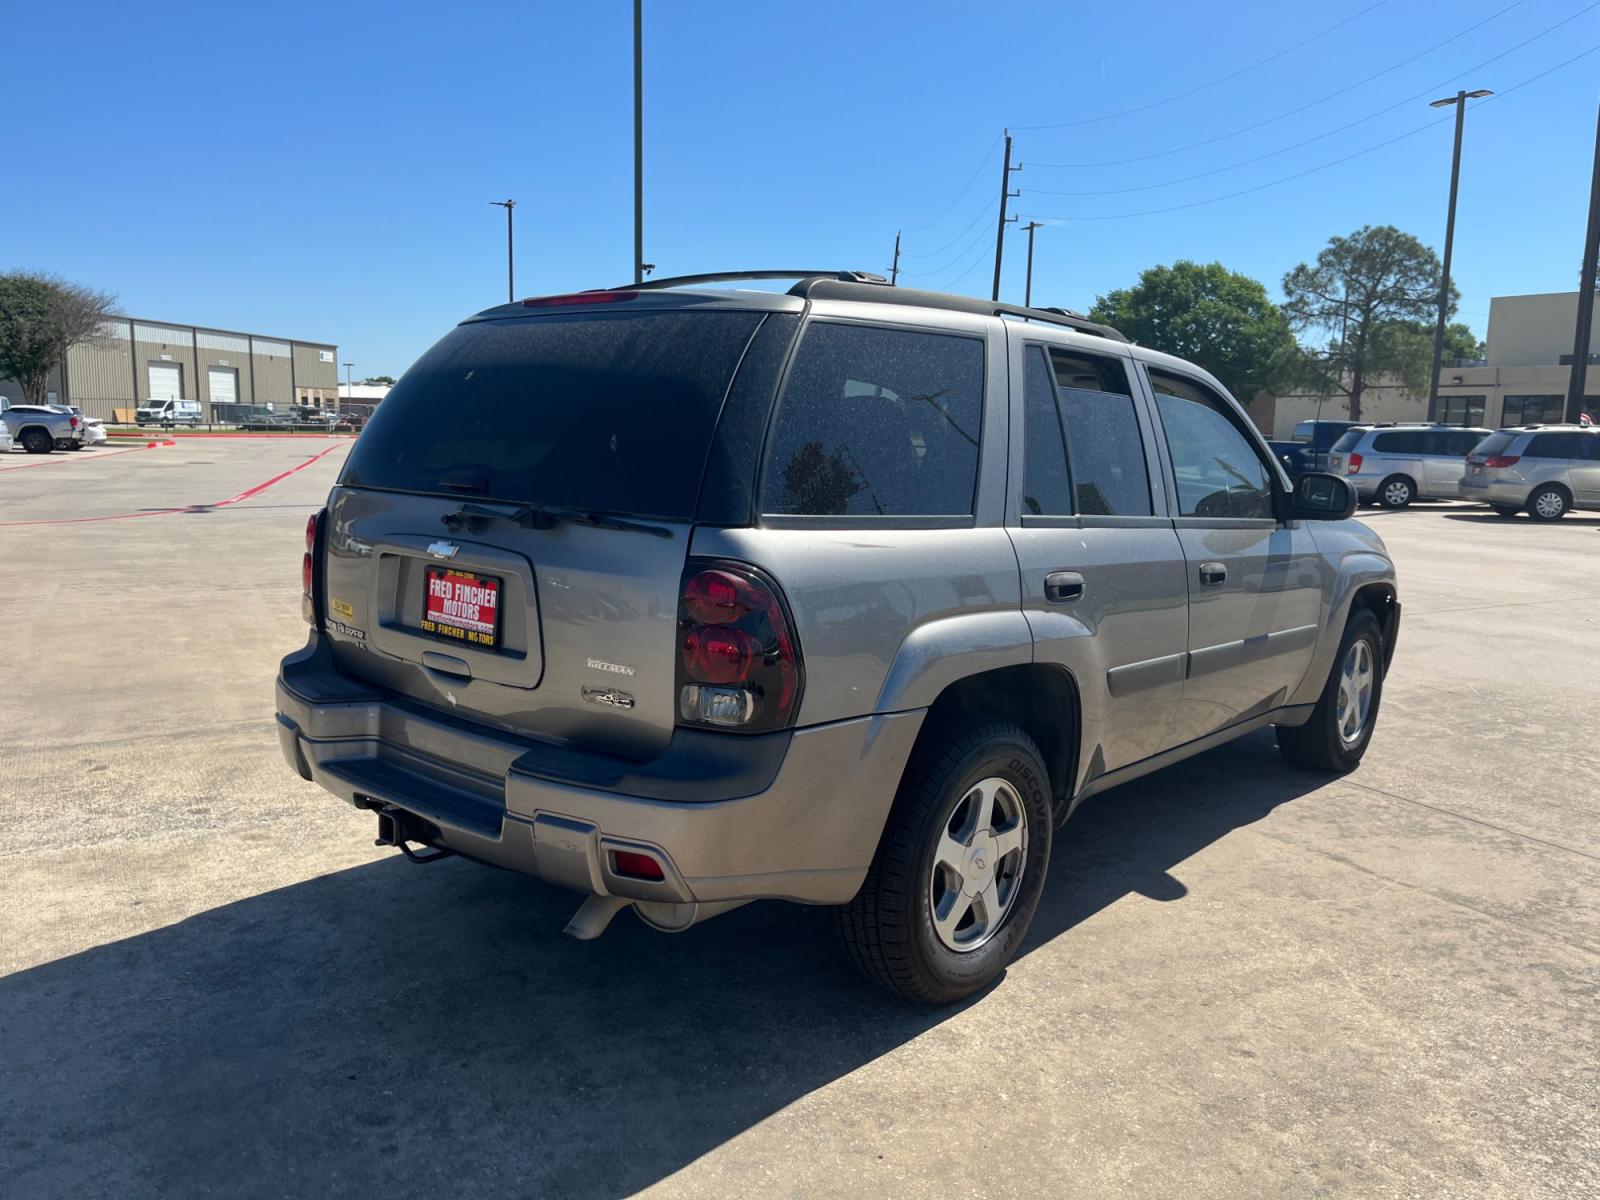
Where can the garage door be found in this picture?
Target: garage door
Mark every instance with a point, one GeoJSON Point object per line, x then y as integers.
{"type": "Point", "coordinates": [166, 381]}
{"type": "Point", "coordinates": [224, 384]}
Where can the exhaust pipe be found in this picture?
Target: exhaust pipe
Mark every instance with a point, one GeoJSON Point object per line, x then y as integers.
{"type": "Point", "coordinates": [595, 913]}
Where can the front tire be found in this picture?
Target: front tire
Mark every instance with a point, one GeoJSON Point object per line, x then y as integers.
{"type": "Point", "coordinates": [1397, 491]}
{"type": "Point", "coordinates": [1341, 725]}
{"type": "Point", "coordinates": [1549, 503]}
{"type": "Point", "coordinates": [959, 869]}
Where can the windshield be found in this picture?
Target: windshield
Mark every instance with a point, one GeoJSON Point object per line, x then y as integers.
{"type": "Point", "coordinates": [611, 412]}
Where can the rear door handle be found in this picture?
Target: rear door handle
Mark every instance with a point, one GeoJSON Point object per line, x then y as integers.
{"type": "Point", "coordinates": [1063, 587]}
{"type": "Point", "coordinates": [1212, 574]}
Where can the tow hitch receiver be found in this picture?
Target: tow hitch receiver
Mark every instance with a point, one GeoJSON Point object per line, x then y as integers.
{"type": "Point", "coordinates": [398, 828]}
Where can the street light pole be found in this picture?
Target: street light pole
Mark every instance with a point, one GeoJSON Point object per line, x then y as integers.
{"type": "Point", "coordinates": [1460, 101]}
{"type": "Point", "coordinates": [1027, 292]}
{"type": "Point", "coordinates": [511, 283]}
{"type": "Point", "coordinates": [1586, 286]}
{"type": "Point", "coordinates": [349, 387]}
{"type": "Point", "coordinates": [638, 141]}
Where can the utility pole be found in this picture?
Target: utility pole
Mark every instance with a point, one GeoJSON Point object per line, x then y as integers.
{"type": "Point", "coordinates": [894, 271]}
{"type": "Point", "coordinates": [1460, 101]}
{"type": "Point", "coordinates": [1000, 230]}
{"type": "Point", "coordinates": [511, 283]}
{"type": "Point", "coordinates": [1027, 294]}
{"type": "Point", "coordinates": [638, 141]}
{"type": "Point", "coordinates": [1586, 284]}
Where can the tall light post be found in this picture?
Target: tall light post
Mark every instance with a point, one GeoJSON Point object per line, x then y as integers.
{"type": "Point", "coordinates": [349, 387]}
{"type": "Point", "coordinates": [638, 141]}
{"type": "Point", "coordinates": [511, 282]}
{"type": "Point", "coordinates": [1460, 101]}
{"type": "Point", "coordinates": [1586, 289]}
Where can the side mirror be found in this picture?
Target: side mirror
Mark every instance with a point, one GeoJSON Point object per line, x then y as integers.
{"type": "Point", "coordinates": [1323, 497]}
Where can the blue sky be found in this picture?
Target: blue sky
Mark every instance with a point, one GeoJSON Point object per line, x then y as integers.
{"type": "Point", "coordinates": [324, 171]}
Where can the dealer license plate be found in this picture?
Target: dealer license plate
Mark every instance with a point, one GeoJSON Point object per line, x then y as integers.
{"type": "Point", "coordinates": [463, 606]}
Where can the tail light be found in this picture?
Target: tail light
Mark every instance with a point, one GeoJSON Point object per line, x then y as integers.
{"type": "Point", "coordinates": [739, 663]}
{"type": "Point", "coordinates": [308, 573]}
{"type": "Point", "coordinates": [599, 296]}
{"type": "Point", "coordinates": [74, 422]}
{"type": "Point", "coordinates": [1354, 465]}
{"type": "Point", "coordinates": [1502, 460]}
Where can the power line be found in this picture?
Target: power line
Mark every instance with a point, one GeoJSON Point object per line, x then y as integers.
{"type": "Point", "coordinates": [1222, 137]}
{"type": "Point", "coordinates": [1150, 212]}
{"type": "Point", "coordinates": [972, 266]}
{"type": "Point", "coordinates": [960, 255]}
{"type": "Point", "coordinates": [1200, 87]}
{"type": "Point", "coordinates": [988, 206]}
{"type": "Point", "coordinates": [967, 187]}
{"type": "Point", "coordinates": [1245, 162]}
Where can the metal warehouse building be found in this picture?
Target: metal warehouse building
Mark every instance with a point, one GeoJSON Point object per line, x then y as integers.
{"type": "Point", "coordinates": [231, 374]}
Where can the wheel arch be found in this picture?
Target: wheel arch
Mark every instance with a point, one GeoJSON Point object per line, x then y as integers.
{"type": "Point", "coordinates": [1380, 600]}
{"type": "Point", "coordinates": [1041, 699]}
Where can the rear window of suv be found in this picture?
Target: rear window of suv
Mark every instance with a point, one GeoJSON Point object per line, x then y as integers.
{"type": "Point", "coordinates": [1348, 440]}
{"type": "Point", "coordinates": [1495, 443]}
{"type": "Point", "coordinates": [611, 412]}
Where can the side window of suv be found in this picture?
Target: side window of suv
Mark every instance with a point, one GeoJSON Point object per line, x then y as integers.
{"type": "Point", "coordinates": [876, 423]}
{"type": "Point", "coordinates": [1219, 472]}
{"type": "Point", "coordinates": [1400, 441]}
{"type": "Point", "coordinates": [1046, 487]}
{"type": "Point", "coordinates": [1553, 445]}
{"type": "Point", "coordinates": [1104, 449]}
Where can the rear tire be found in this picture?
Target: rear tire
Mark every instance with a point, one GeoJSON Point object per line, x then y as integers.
{"type": "Point", "coordinates": [1549, 503]}
{"type": "Point", "coordinates": [37, 441]}
{"type": "Point", "coordinates": [980, 794]}
{"type": "Point", "coordinates": [1341, 725]}
{"type": "Point", "coordinates": [1397, 491]}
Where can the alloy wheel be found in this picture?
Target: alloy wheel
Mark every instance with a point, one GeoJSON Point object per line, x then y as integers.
{"type": "Point", "coordinates": [1356, 677]}
{"type": "Point", "coordinates": [978, 865]}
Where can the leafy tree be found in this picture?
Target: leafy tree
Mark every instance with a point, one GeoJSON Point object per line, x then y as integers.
{"type": "Point", "coordinates": [380, 380]}
{"type": "Point", "coordinates": [41, 318]}
{"type": "Point", "coordinates": [1218, 318]}
{"type": "Point", "coordinates": [1372, 294]}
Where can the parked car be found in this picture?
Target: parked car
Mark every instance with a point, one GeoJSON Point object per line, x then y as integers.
{"type": "Point", "coordinates": [40, 428]}
{"type": "Point", "coordinates": [168, 413]}
{"type": "Point", "coordinates": [6, 444]}
{"type": "Point", "coordinates": [1545, 470]}
{"type": "Point", "coordinates": [1393, 465]}
{"type": "Point", "coordinates": [1308, 446]}
{"type": "Point", "coordinates": [848, 595]}
{"type": "Point", "coordinates": [92, 429]}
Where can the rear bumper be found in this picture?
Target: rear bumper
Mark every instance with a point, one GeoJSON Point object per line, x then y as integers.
{"type": "Point", "coordinates": [1494, 491]}
{"type": "Point", "coordinates": [797, 818]}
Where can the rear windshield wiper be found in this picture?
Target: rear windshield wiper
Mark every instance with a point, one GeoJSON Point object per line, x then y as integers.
{"type": "Point", "coordinates": [537, 516]}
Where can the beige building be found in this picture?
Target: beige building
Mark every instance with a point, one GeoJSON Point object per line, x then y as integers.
{"type": "Point", "coordinates": [132, 361]}
{"type": "Point", "coordinates": [1521, 381]}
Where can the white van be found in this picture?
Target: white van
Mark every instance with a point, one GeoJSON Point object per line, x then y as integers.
{"type": "Point", "coordinates": [168, 413]}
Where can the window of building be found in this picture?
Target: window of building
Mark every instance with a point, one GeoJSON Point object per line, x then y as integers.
{"type": "Point", "coordinates": [1110, 477]}
{"type": "Point", "coordinates": [1046, 486]}
{"type": "Point", "coordinates": [1457, 410]}
{"type": "Point", "coordinates": [1218, 470]}
{"type": "Point", "coordinates": [1532, 410]}
{"type": "Point", "coordinates": [877, 423]}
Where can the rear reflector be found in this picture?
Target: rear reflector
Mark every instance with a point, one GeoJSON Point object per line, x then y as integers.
{"type": "Point", "coordinates": [596, 297]}
{"type": "Point", "coordinates": [1502, 460]}
{"type": "Point", "coordinates": [636, 865]}
{"type": "Point", "coordinates": [305, 573]}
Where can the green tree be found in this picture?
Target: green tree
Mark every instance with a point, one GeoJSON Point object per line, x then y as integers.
{"type": "Point", "coordinates": [380, 380]}
{"type": "Point", "coordinates": [1218, 318]}
{"type": "Point", "coordinates": [1370, 294]}
{"type": "Point", "coordinates": [41, 318]}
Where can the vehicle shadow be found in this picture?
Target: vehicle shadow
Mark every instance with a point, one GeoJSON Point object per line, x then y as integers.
{"type": "Point", "coordinates": [395, 1030]}
{"type": "Point", "coordinates": [1491, 518]}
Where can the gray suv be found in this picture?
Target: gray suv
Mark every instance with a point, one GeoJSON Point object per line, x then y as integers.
{"type": "Point", "coordinates": [1393, 465]}
{"type": "Point", "coordinates": [681, 597]}
{"type": "Point", "coordinates": [1546, 470]}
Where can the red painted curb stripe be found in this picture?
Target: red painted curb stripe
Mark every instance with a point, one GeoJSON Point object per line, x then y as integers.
{"type": "Point", "coordinates": [46, 462]}
{"type": "Point", "coordinates": [162, 512]}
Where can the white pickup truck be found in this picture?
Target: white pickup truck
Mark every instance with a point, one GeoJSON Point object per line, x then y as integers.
{"type": "Point", "coordinates": [39, 429]}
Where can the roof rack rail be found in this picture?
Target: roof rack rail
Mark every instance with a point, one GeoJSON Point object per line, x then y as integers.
{"type": "Point", "coordinates": [672, 281]}
{"type": "Point", "coordinates": [835, 288]}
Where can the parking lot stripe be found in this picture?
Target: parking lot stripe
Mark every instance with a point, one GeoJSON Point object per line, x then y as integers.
{"type": "Point", "coordinates": [45, 462]}
{"type": "Point", "coordinates": [192, 508]}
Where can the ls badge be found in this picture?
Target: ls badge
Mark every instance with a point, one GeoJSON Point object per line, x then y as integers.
{"type": "Point", "coordinates": [610, 697]}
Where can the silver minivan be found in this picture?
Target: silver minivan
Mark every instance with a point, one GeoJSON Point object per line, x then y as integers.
{"type": "Point", "coordinates": [1546, 470]}
{"type": "Point", "coordinates": [1393, 465]}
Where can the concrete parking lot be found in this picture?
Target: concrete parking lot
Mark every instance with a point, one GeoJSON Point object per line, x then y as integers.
{"type": "Point", "coordinates": [1242, 981]}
